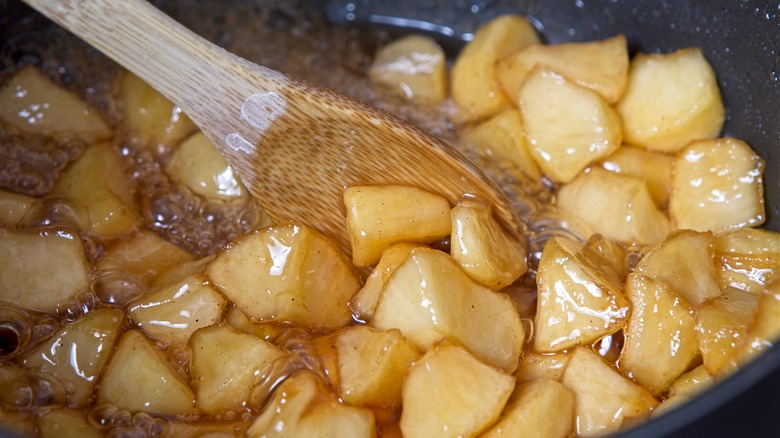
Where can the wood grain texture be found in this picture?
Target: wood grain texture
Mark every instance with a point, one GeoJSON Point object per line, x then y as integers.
{"type": "Point", "coordinates": [295, 145]}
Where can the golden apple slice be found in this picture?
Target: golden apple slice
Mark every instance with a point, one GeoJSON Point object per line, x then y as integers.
{"type": "Point", "coordinates": [685, 388]}
{"type": "Point", "coordinates": [413, 67]}
{"type": "Point", "coordinates": [13, 207]}
{"type": "Point", "coordinates": [578, 302]}
{"type": "Point", "coordinates": [449, 393]}
{"type": "Point", "coordinates": [545, 407]}
{"type": "Point", "coordinates": [748, 259]}
{"type": "Point", "coordinates": [764, 330]}
{"type": "Point", "coordinates": [537, 366]}
{"type": "Point", "coordinates": [653, 167]}
{"type": "Point", "coordinates": [717, 185]}
{"type": "Point", "coordinates": [670, 100]}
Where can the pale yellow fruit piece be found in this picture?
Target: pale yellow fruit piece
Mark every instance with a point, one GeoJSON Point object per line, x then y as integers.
{"type": "Point", "coordinates": [473, 83]}
{"type": "Point", "coordinates": [601, 66]}
{"type": "Point", "coordinates": [483, 248]}
{"type": "Point", "coordinates": [450, 393]}
{"type": "Point", "coordinates": [660, 336]}
{"type": "Point", "coordinates": [609, 256]}
{"type": "Point", "coordinates": [429, 297]}
{"type": "Point", "coordinates": [685, 388]}
{"type": "Point", "coordinates": [78, 353]}
{"type": "Point", "coordinates": [34, 103]}
{"type": "Point", "coordinates": [603, 399]}
{"type": "Point", "coordinates": [13, 207]}
{"type": "Point", "coordinates": [413, 67]}
{"type": "Point", "coordinates": [150, 116]}
{"type": "Point", "coordinates": [66, 423]}
{"type": "Point", "coordinates": [97, 182]}
{"type": "Point", "coordinates": [616, 206]}
{"type": "Point", "coordinates": [144, 254]}
{"type": "Point", "coordinates": [717, 185]}
{"type": "Point", "coordinates": [502, 137]}
{"type": "Point", "coordinates": [239, 321]}
{"type": "Point", "coordinates": [655, 168]}
{"type": "Point", "coordinates": [372, 365]}
{"type": "Point", "coordinates": [379, 216]}
{"type": "Point", "coordinates": [171, 313]}
{"type": "Point", "coordinates": [542, 407]}
{"type": "Point", "coordinates": [567, 126]}
{"type": "Point", "coordinates": [225, 364]}
{"type": "Point", "coordinates": [197, 164]}
{"type": "Point", "coordinates": [287, 273]}
{"type": "Point", "coordinates": [140, 378]}
{"type": "Point", "coordinates": [748, 259]}
{"type": "Point", "coordinates": [764, 331]}
{"type": "Point", "coordinates": [302, 406]}
{"type": "Point", "coordinates": [364, 303]}
{"type": "Point", "coordinates": [41, 269]}
{"type": "Point", "coordinates": [721, 328]}
{"type": "Point", "coordinates": [578, 302]}
{"type": "Point", "coordinates": [670, 100]}
{"type": "Point", "coordinates": [685, 261]}
{"type": "Point", "coordinates": [536, 366]}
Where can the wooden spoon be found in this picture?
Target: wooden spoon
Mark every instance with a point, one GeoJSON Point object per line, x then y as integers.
{"type": "Point", "coordinates": [295, 145]}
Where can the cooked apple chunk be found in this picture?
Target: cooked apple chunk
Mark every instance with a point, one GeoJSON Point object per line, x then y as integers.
{"type": "Point", "coordinates": [670, 100]}
{"type": "Point", "coordinates": [287, 273]}
{"type": "Point", "coordinates": [413, 67]}
{"type": "Point", "coordinates": [449, 393]}
{"type": "Point", "coordinates": [139, 378]}
{"type": "Point", "coordinates": [748, 259]}
{"type": "Point", "coordinates": [653, 167]}
{"type": "Point", "coordinates": [473, 83]}
{"type": "Point", "coordinates": [34, 103]}
{"type": "Point", "coordinates": [224, 366]}
{"type": "Point", "coordinates": [544, 406]}
{"type": "Point", "coordinates": [567, 126]}
{"type": "Point", "coordinates": [379, 216]}
{"type": "Point", "coordinates": [764, 330]}
{"type": "Point", "coordinates": [13, 208]}
{"type": "Point", "coordinates": [578, 302]}
{"type": "Point", "coordinates": [684, 260]}
{"type": "Point", "coordinates": [604, 400]}
{"type": "Point", "coordinates": [601, 66]}
{"type": "Point", "coordinates": [717, 185]}
{"type": "Point", "coordinates": [617, 206]}
{"type": "Point", "coordinates": [41, 269]}
{"type": "Point", "coordinates": [685, 388]}
{"type": "Point", "coordinates": [660, 336]}
{"type": "Point", "coordinates": [721, 328]}
{"type": "Point", "coordinates": [483, 249]}
{"type": "Point", "coordinates": [537, 366]}
{"type": "Point", "coordinates": [429, 297]}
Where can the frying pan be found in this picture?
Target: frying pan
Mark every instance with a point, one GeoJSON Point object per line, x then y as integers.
{"type": "Point", "coordinates": [741, 39]}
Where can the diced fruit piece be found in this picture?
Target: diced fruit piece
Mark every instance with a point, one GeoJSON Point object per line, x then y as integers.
{"type": "Point", "coordinates": [372, 365]}
{"type": "Point", "coordinates": [41, 269]}
{"type": "Point", "coordinates": [578, 302]}
{"type": "Point", "coordinates": [567, 126]}
{"type": "Point", "coordinates": [616, 206]}
{"type": "Point", "coordinates": [764, 331]}
{"type": "Point", "coordinates": [609, 256]}
{"type": "Point", "coordinates": [670, 100]}
{"type": "Point", "coordinates": [59, 423]}
{"type": "Point", "coordinates": [225, 365]}
{"type": "Point", "coordinates": [364, 303]}
{"type": "Point", "coordinates": [379, 216]}
{"type": "Point", "coordinates": [604, 401]}
{"type": "Point", "coordinates": [685, 388]}
{"type": "Point", "coordinates": [684, 260]}
{"type": "Point", "coordinates": [748, 259]}
{"type": "Point", "coordinates": [429, 297]}
{"type": "Point", "coordinates": [483, 249]}
{"type": "Point", "coordinates": [721, 328]}
{"type": "Point", "coordinates": [197, 164]}
{"type": "Point", "coordinates": [34, 103]}
{"type": "Point", "coordinates": [502, 137]}
{"type": "Point", "coordinates": [97, 182]}
{"type": "Point", "coordinates": [474, 86]}
{"type": "Point", "coordinates": [303, 406]}
{"type": "Point", "coordinates": [717, 185]}
{"type": "Point", "coordinates": [450, 393]}
{"type": "Point", "coordinates": [287, 273]}
{"type": "Point", "coordinates": [413, 67]}
{"type": "Point", "coordinates": [78, 352]}
{"type": "Point", "coordinates": [601, 66]}
{"type": "Point", "coordinates": [171, 313]}
{"type": "Point", "coordinates": [13, 207]}
{"type": "Point", "coordinates": [149, 116]}
{"type": "Point", "coordinates": [653, 167]}
{"type": "Point", "coordinates": [139, 378]}
{"type": "Point", "coordinates": [536, 366]}
{"type": "Point", "coordinates": [545, 407]}
{"type": "Point", "coordinates": [660, 336]}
